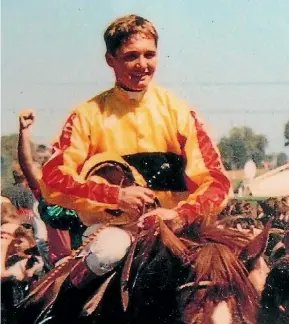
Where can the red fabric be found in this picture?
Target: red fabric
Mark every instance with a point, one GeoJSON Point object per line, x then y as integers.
{"type": "Point", "coordinates": [54, 178]}
{"type": "Point", "coordinates": [59, 241]}
{"type": "Point", "coordinates": [25, 212]}
{"type": "Point", "coordinates": [65, 138]}
{"type": "Point", "coordinates": [191, 185]}
{"type": "Point", "coordinates": [182, 141]}
{"type": "Point", "coordinates": [59, 244]}
{"type": "Point", "coordinates": [218, 189]}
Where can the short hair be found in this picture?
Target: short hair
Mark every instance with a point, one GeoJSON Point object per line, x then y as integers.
{"type": "Point", "coordinates": [120, 30]}
{"type": "Point", "coordinates": [26, 232]}
{"type": "Point", "coordinates": [42, 148]}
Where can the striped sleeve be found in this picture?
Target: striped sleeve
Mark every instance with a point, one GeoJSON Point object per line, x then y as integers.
{"type": "Point", "coordinates": [61, 184]}
{"type": "Point", "coordinates": [205, 176]}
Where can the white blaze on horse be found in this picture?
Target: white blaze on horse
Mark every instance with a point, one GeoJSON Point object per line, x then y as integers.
{"type": "Point", "coordinates": [222, 314]}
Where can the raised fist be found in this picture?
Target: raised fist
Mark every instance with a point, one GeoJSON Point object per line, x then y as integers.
{"type": "Point", "coordinates": [26, 119]}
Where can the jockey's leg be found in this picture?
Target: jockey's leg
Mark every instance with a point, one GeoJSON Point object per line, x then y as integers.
{"type": "Point", "coordinates": [108, 250]}
{"type": "Point", "coordinates": [103, 254]}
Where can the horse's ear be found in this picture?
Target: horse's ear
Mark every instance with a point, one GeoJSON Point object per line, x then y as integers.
{"type": "Point", "coordinates": [254, 249]}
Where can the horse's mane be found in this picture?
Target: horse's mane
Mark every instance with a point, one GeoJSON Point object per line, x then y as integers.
{"type": "Point", "coordinates": [215, 260]}
{"type": "Point", "coordinates": [202, 233]}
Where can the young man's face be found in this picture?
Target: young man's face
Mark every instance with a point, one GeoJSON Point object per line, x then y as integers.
{"type": "Point", "coordinates": [134, 63]}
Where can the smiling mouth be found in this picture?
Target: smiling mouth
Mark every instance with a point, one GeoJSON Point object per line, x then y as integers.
{"type": "Point", "coordinates": [139, 75]}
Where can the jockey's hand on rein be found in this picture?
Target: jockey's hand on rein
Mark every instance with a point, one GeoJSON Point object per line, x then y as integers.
{"type": "Point", "coordinates": [150, 218]}
{"type": "Point", "coordinates": [133, 199]}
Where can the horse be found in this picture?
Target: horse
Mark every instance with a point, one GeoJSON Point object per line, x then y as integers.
{"type": "Point", "coordinates": [201, 276]}
{"type": "Point", "coordinates": [164, 278]}
{"type": "Point", "coordinates": [211, 285]}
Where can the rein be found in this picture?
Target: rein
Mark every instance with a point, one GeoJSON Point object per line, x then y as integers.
{"type": "Point", "coordinates": [195, 285]}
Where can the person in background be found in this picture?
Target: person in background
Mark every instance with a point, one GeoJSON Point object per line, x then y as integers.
{"type": "Point", "coordinates": [284, 209]}
{"type": "Point", "coordinates": [42, 155]}
{"type": "Point", "coordinates": [22, 259]}
{"type": "Point", "coordinates": [58, 243]}
{"type": "Point", "coordinates": [21, 264]}
{"type": "Point", "coordinates": [19, 194]}
{"type": "Point", "coordinates": [23, 199]}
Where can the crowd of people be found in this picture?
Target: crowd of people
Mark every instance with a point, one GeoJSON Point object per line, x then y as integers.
{"type": "Point", "coordinates": [55, 198]}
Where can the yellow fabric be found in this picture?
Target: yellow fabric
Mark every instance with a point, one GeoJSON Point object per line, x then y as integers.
{"type": "Point", "coordinates": [113, 122]}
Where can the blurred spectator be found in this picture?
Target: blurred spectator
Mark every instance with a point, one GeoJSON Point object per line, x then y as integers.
{"type": "Point", "coordinates": [17, 242]}
{"type": "Point", "coordinates": [23, 259]}
{"type": "Point", "coordinates": [275, 296]}
{"type": "Point", "coordinates": [43, 154]}
{"type": "Point", "coordinates": [284, 208]}
{"type": "Point", "coordinates": [59, 243]}
{"type": "Point", "coordinates": [21, 264]}
{"type": "Point", "coordinates": [20, 195]}
{"type": "Point", "coordinates": [23, 199]}
{"type": "Point", "coordinates": [9, 212]}
{"type": "Point", "coordinates": [236, 207]}
{"type": "Point", "coordinates": [275, 208]}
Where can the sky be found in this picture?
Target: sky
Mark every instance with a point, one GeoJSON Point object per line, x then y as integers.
{"type": "Point", "coordinates": [228, 59]}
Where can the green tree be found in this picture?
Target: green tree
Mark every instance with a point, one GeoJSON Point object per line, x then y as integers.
{"type": "Point", "coordinates": [282, 159]}
{"type": "Point", "coordinates": [240, 145]}
{"type": "Point", "coordinates": [9, 145]}
{"type": "Point", "coordinates": [286, 133]}
{"type": "Point", "coordinates": [8, 156]}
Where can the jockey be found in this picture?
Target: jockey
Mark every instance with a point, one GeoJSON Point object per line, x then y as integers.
{"type": "Point", "coordinates": [151, 130]}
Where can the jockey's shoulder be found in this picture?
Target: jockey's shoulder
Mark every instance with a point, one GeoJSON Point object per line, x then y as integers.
{"type": "Point", "coordinates": [91, 105]}
{"type": "Point", "coordinates": [175, 102]}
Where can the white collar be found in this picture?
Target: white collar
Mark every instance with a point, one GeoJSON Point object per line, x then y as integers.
{"type": "Point", "coordinates": [136, 95]}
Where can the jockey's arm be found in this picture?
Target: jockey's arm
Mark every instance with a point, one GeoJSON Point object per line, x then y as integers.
{"type": "Point", "coordinates": [205, 176]}
{"type": "Point", "coordinates": [61, 183]}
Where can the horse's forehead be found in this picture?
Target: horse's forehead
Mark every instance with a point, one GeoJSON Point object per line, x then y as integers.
{"type": "Point", "coordinates": [222, 314]}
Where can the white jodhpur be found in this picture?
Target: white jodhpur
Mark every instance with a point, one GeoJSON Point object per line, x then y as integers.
{"type": "Point", "coordinates": [109, 248]}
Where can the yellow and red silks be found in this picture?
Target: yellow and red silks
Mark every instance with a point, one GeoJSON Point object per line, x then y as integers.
{"type": "Point", "coordinates": [153, 121]}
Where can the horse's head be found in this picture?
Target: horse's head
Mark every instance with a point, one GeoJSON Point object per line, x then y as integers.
{"type": "Point", "coordinates": [220, 288]}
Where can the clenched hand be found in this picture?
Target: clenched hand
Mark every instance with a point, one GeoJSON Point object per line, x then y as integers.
{"type": "Point", "coordinates": [133, 199]}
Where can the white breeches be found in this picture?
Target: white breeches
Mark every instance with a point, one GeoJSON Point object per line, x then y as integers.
{"type": "Point", "coordinates": [108, 249]}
